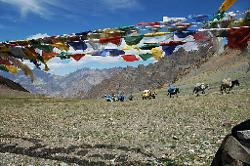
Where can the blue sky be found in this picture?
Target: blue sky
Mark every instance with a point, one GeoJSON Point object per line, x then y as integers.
{"type": "Point", "coordinates": [20, 19]}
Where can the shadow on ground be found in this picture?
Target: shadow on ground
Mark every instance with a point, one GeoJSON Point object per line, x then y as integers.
{"type": "Point", "coordinates": [77, 154]}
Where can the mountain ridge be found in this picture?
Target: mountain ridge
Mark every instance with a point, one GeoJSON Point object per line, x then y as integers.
{"type": "Point", "coordinates": [68, 86]}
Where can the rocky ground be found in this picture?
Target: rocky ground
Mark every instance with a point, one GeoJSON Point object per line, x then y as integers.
{"type": "Point", "coordinates": [179, 131]}
{"type": "Point", "coordinates": [183, 131]}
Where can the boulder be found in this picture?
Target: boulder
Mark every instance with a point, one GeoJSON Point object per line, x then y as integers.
{"type": "Point", "coordinates": [235, 148]}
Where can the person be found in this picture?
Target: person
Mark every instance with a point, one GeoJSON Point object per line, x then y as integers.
{"type": "Point", "coordinates": [113, 97]}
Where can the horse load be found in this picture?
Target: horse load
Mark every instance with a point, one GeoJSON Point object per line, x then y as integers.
{"type": "Point", "coordinates": [173, 91]}
{"type": "Point", "coordinates": [148, 94]}
{"type": "Point", "coordinates": [200, 87]}
{"type": "Point", "coordinates": [228, 84]}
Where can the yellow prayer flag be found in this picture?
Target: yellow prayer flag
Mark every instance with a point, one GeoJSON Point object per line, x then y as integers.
{"type": "Point", "coordinates": [226, 5]}
{"type": "Point", "coordinates": [156, 34]}
{"type": "Point", "coordinates": [61, 46]}
{"type": "Point", "coordinates": [4, 50]}
{"type": "Point", "coordinates": [157, 53]}
{"type": "Point", "coordinates": [11, 68]}
{"type": "Point", "coordinates": [46, 68]}
{"type": "Point", "coordinates": [127, 47]}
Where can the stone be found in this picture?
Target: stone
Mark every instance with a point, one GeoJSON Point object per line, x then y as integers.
{"type": "Point", "coordinates": [244, 135]}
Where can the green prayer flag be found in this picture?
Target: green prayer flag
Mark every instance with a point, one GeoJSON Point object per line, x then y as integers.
{"type": "Point", "coordinates": [126, 28]}
{"type": "Point", "coordinates": [149, 46]}
{"type": "Point", "coordinates": [133, 40]}
{"type": "Point", "coordinates": [3, 68]}
{"type": "Point", "coordinates": [219, 15]}
{"type": "Point", "coordinates": [46, 48]}
{"type": "Point", "coordinates": [37, 44]}
{"type": "Point", "coordinates": [145, 56]}
{"type": "Point", "coordinates": [63, 55]}
{"type": "Point", "coordinates": [40, 58]}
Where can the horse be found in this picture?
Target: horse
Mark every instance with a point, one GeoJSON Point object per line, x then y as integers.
{"type": "Point", "coordinates": [153, 95]}
{"type": "Point", "coordinates": [200, 87]}
{"type": "Point", "coordinates": [148, 94]}
{"type": "Point", "coordinates": [228, 84]}
{"type": "Point", "coordinates": [173, 92]}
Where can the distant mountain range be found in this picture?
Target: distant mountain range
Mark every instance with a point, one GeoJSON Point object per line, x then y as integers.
{"type": "Point", "coordinates": [78, 82]}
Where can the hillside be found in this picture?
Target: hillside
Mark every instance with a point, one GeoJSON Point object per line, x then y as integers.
{"type": "Point", "coordinates": [168, 69]}
{"type": "Point", "coordinates": [10, 88]}
{"type": "Point", "coordinates": [180, 131]}
{"type": "Point", "coordinates": [8, 84]}
{"type": "Point", "coordinates": [231, 64]}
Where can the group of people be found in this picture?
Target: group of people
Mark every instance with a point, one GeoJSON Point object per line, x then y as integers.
{"type": "Point", "coordinates": [120, 97]}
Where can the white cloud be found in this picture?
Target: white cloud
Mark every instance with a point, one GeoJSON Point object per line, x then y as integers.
{"type": "Point", "coordinates": [230, 14]}
{"type": "Point", "coordinates": [50, 9]}
{"type": "Point", "coordinates": [62, 67]}
{"type": "Point", "coordinates": [29, 64]}
{"type": "Point", "coordinates": [30, 6]}
{"type": "Point", "coordinates": [156, 39]}
{"type": "Point", "coordinates": [37, 36]}
{"type": "Point", "coordinates": [122, 4]}
{"type": "Point", "coordinates": [56, 63]}
{"type": "Point", "coordinates": [167, 20]}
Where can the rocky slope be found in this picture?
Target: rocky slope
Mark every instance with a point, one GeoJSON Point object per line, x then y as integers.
{"type": "Point", "coordinates": [153, 76]}
{"type": "Point", "coordinates": [8, 84]}
{"type": "Point", "coordinates": [81, 81]}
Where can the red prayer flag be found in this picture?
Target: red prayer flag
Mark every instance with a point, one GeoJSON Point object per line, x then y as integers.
{"type": "Point", "coordinates": [115, 40]}
{"type": "Point", "coordinates": [4, 62]}
{"type": "Point", "coordinates": [198, 36]}
{"type": "Point", "coordinates": [130, 58]}
{"type": "Point", "coordinates": [47, 56]}
{"type": "Point", "coordinates": [77, 57]}
{"type": "Point", "coordinates": [172, 43]}
{"type": "Point", "coordinates": [238, 37]}
{"type": "Point", "coordinates": [13, 44]}
{"type": "Point", "coordinates": [148, 23]}
{"type": "Point", "coordinates": [30, 52]}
